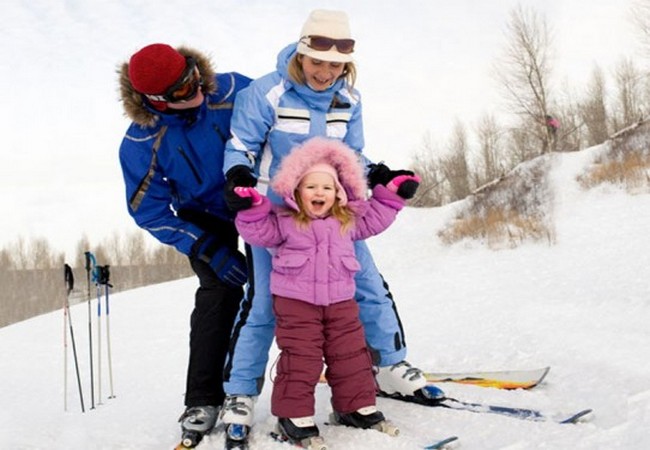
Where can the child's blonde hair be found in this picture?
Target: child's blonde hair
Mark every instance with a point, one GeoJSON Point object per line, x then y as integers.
{"type": "Point", "coordinates": [343, 214]}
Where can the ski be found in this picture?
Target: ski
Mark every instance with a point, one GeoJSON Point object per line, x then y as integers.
{"type": "Point", "coordinates": [503, 379]}
{"type": "Point", "coordinates": [517, 413]}
{"type": "Point", "coordinates": [443, 443]}
{"type": "Point", "coordinates": [580, 416]}
{"type": "Point", "coordinates": [500, 379]}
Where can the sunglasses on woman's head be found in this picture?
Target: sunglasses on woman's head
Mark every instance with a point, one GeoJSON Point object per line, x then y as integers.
{"type": "Point", "coordinates": [322, 44]}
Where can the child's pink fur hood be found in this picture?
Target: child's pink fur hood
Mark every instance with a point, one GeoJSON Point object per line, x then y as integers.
{"type": "Point", "coordinates": [321, 150]}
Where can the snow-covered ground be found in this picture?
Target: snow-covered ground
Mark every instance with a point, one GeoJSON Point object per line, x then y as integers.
{"type": "Point", "coordinates": [581, 306]}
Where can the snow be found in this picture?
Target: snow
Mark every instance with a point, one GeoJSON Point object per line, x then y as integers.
{"type": "Point", "coordinates": [580, 306]}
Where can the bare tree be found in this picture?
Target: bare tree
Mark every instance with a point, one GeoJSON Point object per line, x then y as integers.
{"type": "Point", "coordinates": [628, 93]}
{"type": "Point", "coordinates": [135, 249]}
{"type": "Point", "coordinates": [594, 111]}
{"type": "Point", "coordinates": [489, 139]}
{"type": "Point", "coordinates": [101, 255]}
{"type": "Point", "coordinates": [524, 73]}
{"type": "Point", "coordinates": [519, 146]}
{"type": "Point", "coordinates": [82, 247]}
{"type": "Point", "coordinates": [5, 260]}
{"type": "Point", "coordinates": [455, 167]}
{"type": "Point", "coordinates": [20, 253]}
{"type": "Point", "coordinates": [570, 135]}
{"type": "Point", "coordinates": [113, 246]}
{"type": "Point", "coordinates": [427, 166]}
{"type": "Point", "coordinates": [41, 254]}
{"type": "Point", "coordinates": [640, 16]}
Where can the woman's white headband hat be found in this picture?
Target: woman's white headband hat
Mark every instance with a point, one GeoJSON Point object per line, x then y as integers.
{"type": "Point", "coordinates": [331, 24]}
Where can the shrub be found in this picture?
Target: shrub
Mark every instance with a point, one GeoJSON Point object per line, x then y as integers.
{"type": "Point", "coordinates": [625, 162]}
{"type": "Point", "coordinates": [508, 211]}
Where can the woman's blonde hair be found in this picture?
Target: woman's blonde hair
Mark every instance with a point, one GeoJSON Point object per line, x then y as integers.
{"type": "Point", "coordinates": [298, 76]}
{"type": "Point", "coordinates": [343, 214]}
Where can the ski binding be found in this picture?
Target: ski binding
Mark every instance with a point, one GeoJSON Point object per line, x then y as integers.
{"type": "Point", "coordinates": [189, 440]}
{"type": "Point", "coordinates": [312, 443]}
{"type": "Point", "coordinates": [237, 437]}
{"type": "Point", "coordinates": [385, 426]}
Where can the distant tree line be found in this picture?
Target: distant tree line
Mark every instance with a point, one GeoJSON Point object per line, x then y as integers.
{"type": "Point", "coordinates": [31, 272]}
{"type": "Point", "coordinates": [480, 154]}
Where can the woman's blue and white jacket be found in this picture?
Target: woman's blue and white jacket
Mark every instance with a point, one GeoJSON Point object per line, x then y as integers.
{"type": "Point", "coordinates": [274, 114]}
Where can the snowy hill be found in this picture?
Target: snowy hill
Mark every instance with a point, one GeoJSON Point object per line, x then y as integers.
{"type": "Point", "coordinates": [581, 306]}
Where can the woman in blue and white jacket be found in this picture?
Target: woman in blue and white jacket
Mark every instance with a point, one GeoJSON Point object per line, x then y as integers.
{"type": "Point", "coordinates": [310, 94]}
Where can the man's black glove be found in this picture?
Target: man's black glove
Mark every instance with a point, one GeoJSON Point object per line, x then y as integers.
{"type": "Point", "coordinates": [228, 264]}
{"type": "Point", "coordinates": [238, 176]}
{"type": "Point", "coordinates": [381, 174]}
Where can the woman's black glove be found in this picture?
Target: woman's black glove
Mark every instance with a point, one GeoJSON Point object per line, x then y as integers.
{"type": "Point", "coordinates": [238, 176]}
{"type": "Point", "coordinates": [381, 174]}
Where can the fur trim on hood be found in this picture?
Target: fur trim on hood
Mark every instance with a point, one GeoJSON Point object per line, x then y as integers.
{"type": "Point", "coordinates": [320, 150]}
{"type": "Point", "coordinates": [135, 107]}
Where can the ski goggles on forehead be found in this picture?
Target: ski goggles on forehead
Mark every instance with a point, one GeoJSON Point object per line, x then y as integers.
{"type": "Point", "coordinates": [323, 44]}
{"type": "Point", "coordinates": [185, 88]}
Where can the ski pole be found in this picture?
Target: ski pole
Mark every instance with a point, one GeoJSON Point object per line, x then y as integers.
{"type": "Point", "coordinates": [105, 280]}
{"type": "Point", "coordinates": [90, 256]}
{"type": "Point", "coordinates": [99, 337]}
{"type": "Point", "coordinates": [65, 343]}
{"type": "Point", "coordinates": [69, 281]}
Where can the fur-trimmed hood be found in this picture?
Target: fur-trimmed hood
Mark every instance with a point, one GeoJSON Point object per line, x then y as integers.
{"type": "Point", "coordinates": [135, 106]}
{"type": "Point", "coordinates": [320, 150]}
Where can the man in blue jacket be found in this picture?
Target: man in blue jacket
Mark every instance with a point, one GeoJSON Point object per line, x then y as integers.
{"type": "Point", "coordinates": [171, 159]}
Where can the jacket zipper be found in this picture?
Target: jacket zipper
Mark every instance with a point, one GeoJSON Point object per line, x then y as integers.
{"type": "Point", "coordinates": [221, 135]}
{"type": "Point", "coordinates": [189, 163]}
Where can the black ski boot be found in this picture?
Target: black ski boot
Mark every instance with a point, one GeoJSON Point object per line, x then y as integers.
{"type": "Point", "coordinates": [196, 422]}
{"type": "Point", "coordinates": [365, 418]}
{"type": "Point", "coordinates": [302, 432]}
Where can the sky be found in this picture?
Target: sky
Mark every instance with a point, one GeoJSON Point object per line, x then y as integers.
{"type": "Point", "coordinates": [579, 306]}
{"type": "Point", "coordinates": [422, 66]}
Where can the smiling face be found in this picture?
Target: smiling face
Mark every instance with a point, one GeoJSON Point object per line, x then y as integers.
{"type": "Point", "coordinates": [317, 193]}
{"type": "Point", "coordinates": [320, 75]}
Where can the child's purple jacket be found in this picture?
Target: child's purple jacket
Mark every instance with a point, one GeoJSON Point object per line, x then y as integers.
{"type": "Point", "coordinates": [316, 264]}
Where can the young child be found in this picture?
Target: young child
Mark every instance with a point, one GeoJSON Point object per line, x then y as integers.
{"type": "Point", "coordinates": [312, 281]}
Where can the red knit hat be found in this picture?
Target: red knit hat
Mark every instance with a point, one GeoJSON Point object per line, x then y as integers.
{"type": "Point", "coordinates": [155, 68]}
